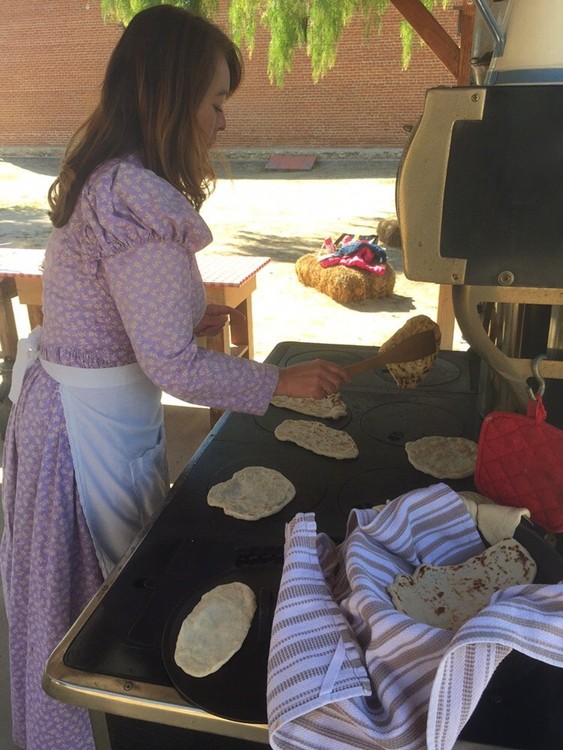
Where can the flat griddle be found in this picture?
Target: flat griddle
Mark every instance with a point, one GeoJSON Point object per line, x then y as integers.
{"type": "Point", "coordinates": [191, 546]}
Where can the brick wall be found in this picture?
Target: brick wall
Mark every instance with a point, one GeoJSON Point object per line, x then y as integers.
{"type": "Point", "coordinates": [54, 52]}
{"type": "Point", "coordinates": [53, 56]}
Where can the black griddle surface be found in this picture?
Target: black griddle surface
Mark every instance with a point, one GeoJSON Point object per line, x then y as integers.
{"type": "Point", "coordinates": [191, 546]}
{"type": "Point", "coordinates": [398, 422]}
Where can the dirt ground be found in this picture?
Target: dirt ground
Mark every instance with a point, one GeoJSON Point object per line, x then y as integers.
{"type": "Point", "coordinates": [280, 215]}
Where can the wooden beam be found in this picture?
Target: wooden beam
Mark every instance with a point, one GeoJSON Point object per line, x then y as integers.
{"type": "Point", "coordinates": [466, 29]}
{"type": "Point", "coordinates": [432, 32]}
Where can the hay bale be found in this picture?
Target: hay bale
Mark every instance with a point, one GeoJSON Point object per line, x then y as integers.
{"type": "Point", "coordinates": [343, 284]}
{"type": "Point", "coordinates": [389, 233]}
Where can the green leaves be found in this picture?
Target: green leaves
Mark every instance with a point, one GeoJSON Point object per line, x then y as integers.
{"type": "Point", "coordinates": [287, 22]}
{"type": "Point", "coordinates": [242, 18]}
{"type": "Point", "coordinates": [316, 25]}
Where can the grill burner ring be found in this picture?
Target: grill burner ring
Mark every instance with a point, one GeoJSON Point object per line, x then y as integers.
{"type": "Point", "coordinates": [376, 486]}
{"type": "Point", "coordinates": [441, 373]}
{"type": "Point", "coordinates": [343, 358]}
{"type": "Point", "coordinates": [400, 422]}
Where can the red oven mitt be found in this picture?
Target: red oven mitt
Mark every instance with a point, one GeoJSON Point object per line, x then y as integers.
{"type": "Point", "coordinates": [520, 463]}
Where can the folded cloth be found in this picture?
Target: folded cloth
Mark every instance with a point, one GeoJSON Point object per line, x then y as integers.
{"type": "Point", "coordinates": [358, 254]}
{"type": "Point", "coordinates": [346, 669]}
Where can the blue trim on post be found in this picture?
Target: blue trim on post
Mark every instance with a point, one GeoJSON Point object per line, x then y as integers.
{"type": "Point", "coordinates": [525, 75]}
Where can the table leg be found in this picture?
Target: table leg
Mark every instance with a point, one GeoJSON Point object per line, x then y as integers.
{"type": "Point", "coordinates": [446, 316]}
{"type": "Point", "coordinates": [241, 330]}
{"type": "Point", "coordinates": [35, 314]}
{"type": "Point", "coordinates": [8, 346]}
{"type": "Point", "coordinates": [8, 330]}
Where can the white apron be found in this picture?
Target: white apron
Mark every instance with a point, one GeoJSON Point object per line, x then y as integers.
{"type": "Point", "coordinates": [114, 421]}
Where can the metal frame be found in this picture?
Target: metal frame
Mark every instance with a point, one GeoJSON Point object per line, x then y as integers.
{"type": "Point", "coordinates": [514, 370]}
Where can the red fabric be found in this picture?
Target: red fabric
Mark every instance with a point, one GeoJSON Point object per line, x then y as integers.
{"type": "Point", "coordinates": [520, 463]}
{"type": "Point", "coordinates": [362, 258]}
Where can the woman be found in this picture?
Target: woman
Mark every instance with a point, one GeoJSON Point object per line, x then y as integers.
{"type": "Point", "coordinates": [123, 301]}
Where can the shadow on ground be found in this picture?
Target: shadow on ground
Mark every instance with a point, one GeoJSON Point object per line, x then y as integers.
{"type": "Point", "coordinates": [285, 249]}
{"type": "Point", "coordinates": [24, 227]}
{"type": "Point", "coordinates": [323, 169]}
{"type": "Point", "coordinates": [280, 249]}
{"type": "Point", "coordinates": [45, 165]}
{"type": "Point", "coordinates": [395, 303]}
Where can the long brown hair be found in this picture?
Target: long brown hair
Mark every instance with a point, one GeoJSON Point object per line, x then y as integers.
{"type": "Point", "coordinates": [155, 81]}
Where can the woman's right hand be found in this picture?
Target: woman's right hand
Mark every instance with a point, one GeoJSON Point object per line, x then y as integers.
{"type": "Point", "coordinates": [315, 379]}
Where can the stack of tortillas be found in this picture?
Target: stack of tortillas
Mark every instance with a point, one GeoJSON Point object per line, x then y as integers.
{"type": "Point", "coordinates": [317, 437]}
{"type": "Point", "coordinates": [252, 493]}
{"type": "Point", "coordinates": [443, 457]}
{"type": "Point", "coordinates": [329, 407]}
{"type": "Point", "coordinates": [215, 629]}
{"type": "Point", "coordinates": [410, 374]}
{"type": "Point", "coordinates": [448, 596]}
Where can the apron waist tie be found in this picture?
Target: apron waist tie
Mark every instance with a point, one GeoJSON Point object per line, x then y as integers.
{"type": "Point", "coordinates": [26, 353]}
{"type": "Point", "coordinates": [78, 377]}
{"type": "Point", "coordinates": [100, 377]}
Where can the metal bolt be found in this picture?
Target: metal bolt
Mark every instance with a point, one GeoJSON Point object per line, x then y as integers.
{"type": "Point", "coordinates": [475, 98]}
{"type": "Point", "coordinates": [506, 278]}
{"type": "Point", "coordinates": [128, 686]}
{"type": "Point", "coordinates": [455, 277]}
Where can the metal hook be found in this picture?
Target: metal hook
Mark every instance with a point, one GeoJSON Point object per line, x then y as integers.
{"type": "Point", "coordinates": [539, 379]}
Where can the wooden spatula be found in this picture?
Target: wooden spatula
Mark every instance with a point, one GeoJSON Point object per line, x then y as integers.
{"type": "Point", "coordinates": [417, 346]}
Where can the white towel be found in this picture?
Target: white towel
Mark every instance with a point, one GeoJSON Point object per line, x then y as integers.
{"type": "Point", "coordinates": [347, 670]}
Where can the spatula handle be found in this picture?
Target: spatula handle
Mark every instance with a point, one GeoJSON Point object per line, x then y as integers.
{"type": "Point", "coordinates": [414, 347]}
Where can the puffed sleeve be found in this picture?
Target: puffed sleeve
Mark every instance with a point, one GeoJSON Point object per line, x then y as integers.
{"type": "Point", "coordinates": [125, 204]}
{"type": "Point", "coordinates": [147, 235]}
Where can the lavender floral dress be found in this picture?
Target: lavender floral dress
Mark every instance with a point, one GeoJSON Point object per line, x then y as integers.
{"type": "Point", "coordinates": [121, 285]}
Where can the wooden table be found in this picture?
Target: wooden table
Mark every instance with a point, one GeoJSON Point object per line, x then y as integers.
{"type": "Point", "coordinates": [228, 280]}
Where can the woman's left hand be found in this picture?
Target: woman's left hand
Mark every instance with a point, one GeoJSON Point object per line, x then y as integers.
{"type": "Point", "coordinates": [214, 319]}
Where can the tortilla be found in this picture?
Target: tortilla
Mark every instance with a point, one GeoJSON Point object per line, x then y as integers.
{"type": "Point", "coordinates": [252, 493]}
{"type": "Point", "coordinates": [443, 457]}
{"type": "Point", "coordinates": [495, 522]}
{"type": "Point", "coordinates": [317, 437]}
{"type": "Point", "coordinates": [475, 497]}
{"type": "Point", "coordinates": [215, 629]}
{"type": "Point", "coordinates": [448, 596]}
{"type": "Point", "coordinates": [410, 374]}
{"type": "Point", "coordinates": [330, 407]}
